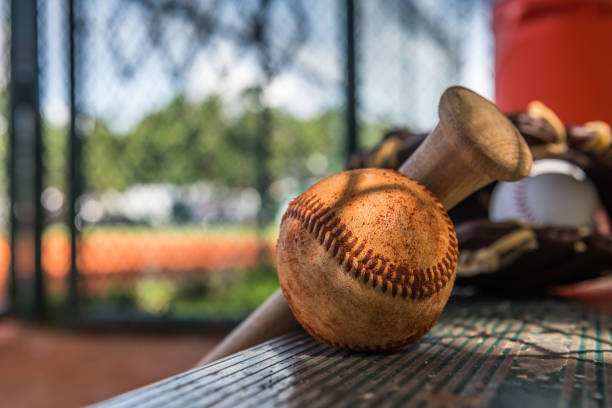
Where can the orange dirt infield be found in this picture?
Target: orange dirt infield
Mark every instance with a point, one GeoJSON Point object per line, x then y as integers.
{"type": "Point", "coordinates": [106, 253]}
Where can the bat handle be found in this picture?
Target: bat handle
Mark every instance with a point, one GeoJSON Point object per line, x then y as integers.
{"type": "Point", "coordinates": [473, 144]}
{"type": "Point", "coordinates": [271, 319]}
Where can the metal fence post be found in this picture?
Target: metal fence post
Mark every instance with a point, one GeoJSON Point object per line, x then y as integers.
{"type": "Point", "coordinates": [351, 81]}
{"type": "Point", "coordinates": [74, 184]}
{"type": "Point", "coordinates": [27, 281]}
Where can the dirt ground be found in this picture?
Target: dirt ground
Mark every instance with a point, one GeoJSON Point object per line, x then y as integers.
{"type": "Point", "coordinates": [46, 367]}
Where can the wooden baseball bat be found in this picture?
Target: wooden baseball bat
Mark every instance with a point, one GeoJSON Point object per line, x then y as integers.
{"type": "Point", "coordinates": [472, 145]}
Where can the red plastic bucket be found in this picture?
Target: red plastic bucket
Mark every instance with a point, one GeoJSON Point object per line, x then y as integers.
{"type": "Point", "coordinates": [556, 51]}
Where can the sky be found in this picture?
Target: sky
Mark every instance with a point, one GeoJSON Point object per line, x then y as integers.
{"type": "Point", "coordinates": [401, 72]}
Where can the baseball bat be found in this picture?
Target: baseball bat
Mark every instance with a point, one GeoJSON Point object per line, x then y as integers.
{"type": "Point", "coordinates": [472, 145]}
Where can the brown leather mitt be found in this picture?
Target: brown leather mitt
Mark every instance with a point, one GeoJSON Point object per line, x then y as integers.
{"type": "Point", "coordinates": [516, 259]}
{"type": "Point", "coordinates": [393, 150]}
{"type": "Point", "coordinates": [588, 146]}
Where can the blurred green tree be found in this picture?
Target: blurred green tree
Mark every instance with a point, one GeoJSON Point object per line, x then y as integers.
{"type": "Point", "coordinates": [185, 143]}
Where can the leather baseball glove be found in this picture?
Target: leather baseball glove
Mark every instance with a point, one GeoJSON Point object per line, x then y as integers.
{"type": "Point", "coordinates": [516, 259]}
{"type": "Point", "coordinates": [588, 146]}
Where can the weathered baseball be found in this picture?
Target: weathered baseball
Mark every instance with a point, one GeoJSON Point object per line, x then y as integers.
{"type": "Point", "coordinates": [367, 259]}
{"type": "Point", "coordinates": [555, 193]}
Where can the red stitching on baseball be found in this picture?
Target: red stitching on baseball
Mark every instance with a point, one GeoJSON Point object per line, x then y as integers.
{"type": "Point", "coordinates": [520, 199]}
{"type": "Point", "coordinates": [334, 235]}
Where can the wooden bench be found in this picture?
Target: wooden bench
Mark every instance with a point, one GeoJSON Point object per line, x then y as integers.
{"type": "Point", "coordinates": [481, 353]}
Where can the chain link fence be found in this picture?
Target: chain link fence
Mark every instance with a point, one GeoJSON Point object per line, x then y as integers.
{"type": "Point", "coordinates": [195, 123]}
{"type": "Point", "coordinates": [409, 52]}
{"type": "Point", "coordinates": [194, 132]}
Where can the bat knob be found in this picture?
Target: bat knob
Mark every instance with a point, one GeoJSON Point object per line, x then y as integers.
{"type": "Point", "coordinates": [483, 135]}
{"type": "Point", "coordinates": [473, 144]}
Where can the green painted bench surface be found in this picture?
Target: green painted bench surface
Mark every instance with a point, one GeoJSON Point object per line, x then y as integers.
{"type": "Point", "coordinates": [481, 353]}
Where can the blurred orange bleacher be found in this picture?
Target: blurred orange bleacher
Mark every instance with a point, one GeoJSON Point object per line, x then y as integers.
{"type": "Point", "coordinates": [129, 254]}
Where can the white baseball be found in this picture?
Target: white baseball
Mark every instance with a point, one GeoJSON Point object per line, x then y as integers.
{"type": "Point", "coordinates": [555, 193]}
